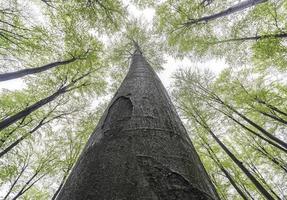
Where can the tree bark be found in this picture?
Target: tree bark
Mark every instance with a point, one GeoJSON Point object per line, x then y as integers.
{"type": "Point", "coordinates": [236, 8]}
{"type": "Point", "coordinates": [29, 71]}
{"type": "Point", "coordinates": [140, 149]}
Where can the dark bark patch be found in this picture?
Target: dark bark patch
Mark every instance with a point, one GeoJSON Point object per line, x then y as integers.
{"type": "Point", "coordinates": [119, 114]}
{"type": "Point", "coordinates": [167, 184]}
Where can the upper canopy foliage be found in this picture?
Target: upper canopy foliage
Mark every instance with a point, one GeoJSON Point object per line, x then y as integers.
{"type": "Point", "coordinates": [256, 34]}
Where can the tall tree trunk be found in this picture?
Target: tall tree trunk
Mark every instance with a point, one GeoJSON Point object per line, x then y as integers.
{"type": "Point", "coordinates": [260, 101]}
{"type": "Point", "coordinates": [245, 189]}
{"type": "Point", "coordinates": [140, 149]}
{"type": "Point", "coordinates": [7, 135]}
{"type": "Point", "coordinates": [236, 8]}
{"type": "Point", "coordinates": [30, 183]}
{"type": "Point", "coordinates": [15, 143]}
{"type": "Point", "coordinates": [215, 183]}
{"type": "Point", "coordinates": [29, 71]}
{"type": "Point", "coordinates": [260, 177]}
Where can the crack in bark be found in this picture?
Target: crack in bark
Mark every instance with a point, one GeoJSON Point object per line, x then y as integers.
{"type": "Point", "coordinates": [168, 184]}
{"type": "Point", "coordinates": [119, 114]}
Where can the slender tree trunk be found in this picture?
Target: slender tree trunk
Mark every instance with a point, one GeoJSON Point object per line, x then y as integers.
{"type": "Point", "coordinates": [221, 194]}
{"type": "Point", "coordinates": [253, 132]}
{"type": "Point", "coordinates": [22, 191]}
{"type": "Point", "coordinates": [29, 71]}
{"type": "Point", "coordinates": [245, 189]}
{"type": "Point", "coordinates": [27, 187]}
{"type": "Point", "coordinates": [236, 8]}
{"type": "Point", "coordinates": [260, 177]}
{"type": "Point", "coordinates": [7, 135]}
{"type": "Point", "coordinates": [198, 118]}
{"type": "Point", "coordinates": [276, 118]}
{"type": "Point", "coordinates": [243, 168]}
{"type": "Point", "coordinates": [225, 172]}
{"type": "Point", "coordinates": [60, 187]}
{"type": "Point", "coordinates": [271, 158]}
{"type": "Point", "coordinates": [260, 101]}
{"type": "Point", "coordinates": [25, 112]}
{"type": "Point", "coordinates": [218, 100]}
{"type": "Point", "coordinates": [14, 118]}
{"type": "Point", "coordinates": [15, 182]}
{"type": "Point", "coordinates": [271, 106]}
{"type": "Point", "coordinates": [252, 38]}
{"type": "Point", "coordinates": [140, 149]}
{"type": "Point", "coordinates": [39, 125]}
{"type": "Point", "coordinates": [233, 183]}
{"type": "Point", "coordinates": [262, 130]}
{"type": "Point", "coordinates": [15, 143]}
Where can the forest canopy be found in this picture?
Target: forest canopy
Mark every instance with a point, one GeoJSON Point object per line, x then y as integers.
{"type": "Point", "coordinates": [61, 62]}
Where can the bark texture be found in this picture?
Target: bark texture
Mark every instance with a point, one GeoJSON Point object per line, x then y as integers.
{"type": "Point", "coordinates": [24, 72]}
{"type": "Point", "coordinates": [140, 149]}
{"type": "Point", "coordinates": [253, 38]}
{"type": "Point", "coordinates": [236, 8]}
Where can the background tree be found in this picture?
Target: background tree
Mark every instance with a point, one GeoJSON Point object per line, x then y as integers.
{"type": "Point", "coordinates": [196, 90]}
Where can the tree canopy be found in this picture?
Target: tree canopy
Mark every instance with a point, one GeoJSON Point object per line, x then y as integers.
{"type": "Point", "coordinates": [69, 57]}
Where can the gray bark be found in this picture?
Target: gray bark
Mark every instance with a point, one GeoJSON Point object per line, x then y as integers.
{"type": "Point", "coordinates": [236, 8]}
{"type": "Point", "coordinates": [140, 149]}
{"type": "Point", "coordinates": [253, 38]}
{"type": "Point", "coordinates": [24, 72]}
